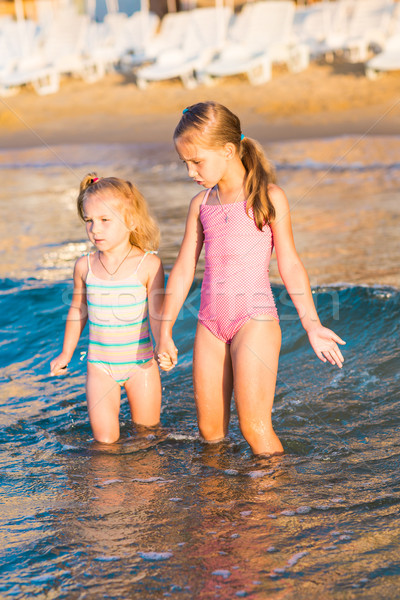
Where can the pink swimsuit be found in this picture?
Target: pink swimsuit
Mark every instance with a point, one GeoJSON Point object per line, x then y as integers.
{"type": "Point", "coordinates": [235, 286]}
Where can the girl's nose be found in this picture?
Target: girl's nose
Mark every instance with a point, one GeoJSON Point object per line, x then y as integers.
{"type": "Point", "coordinates": [192, 172]}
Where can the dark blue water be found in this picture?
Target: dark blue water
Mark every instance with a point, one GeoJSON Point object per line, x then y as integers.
{"type": "Point", "coordinates": [167, 516]}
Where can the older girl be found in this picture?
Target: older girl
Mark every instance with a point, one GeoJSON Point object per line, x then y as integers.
{"type": "Point", "coordinates": [239, 218]}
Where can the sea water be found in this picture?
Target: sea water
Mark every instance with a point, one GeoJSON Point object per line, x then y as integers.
{"type": "Point", "coordinates": [161, 514]}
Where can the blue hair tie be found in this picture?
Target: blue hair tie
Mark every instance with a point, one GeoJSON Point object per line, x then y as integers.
{"type": "Point", "coordinates": [242, 137]}
{"type": "Point", "coordinates": [185, 110]}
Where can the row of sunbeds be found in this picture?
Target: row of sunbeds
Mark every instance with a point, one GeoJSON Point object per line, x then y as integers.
{"type": "Point", "coordinates": [199, 45]}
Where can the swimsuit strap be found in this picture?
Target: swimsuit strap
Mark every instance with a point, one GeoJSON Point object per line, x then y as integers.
{"type": "Point", "coordinates": [206, 196]}
{"type": "Point", "coordinates": [88, 262]}
{"type": "Point", "coordinates": [142, 259]}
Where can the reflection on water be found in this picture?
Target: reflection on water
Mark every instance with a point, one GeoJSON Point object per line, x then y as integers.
{"type": "Point", "coordinates": [160, 514]}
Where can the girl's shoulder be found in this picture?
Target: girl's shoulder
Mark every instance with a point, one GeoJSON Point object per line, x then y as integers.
{"type": "Point", "coordinates": [152, 260]}
{"type": "Point", "coordinates": [195, 204]}
{"type": "Point", "coordinates": [198, 199]}
{"type": "Point", "coordinates": [151, 265]}
{"type": "Point", "coordinates": [277, 197]}
{"type": "Point", "coordinates": [82, 266]}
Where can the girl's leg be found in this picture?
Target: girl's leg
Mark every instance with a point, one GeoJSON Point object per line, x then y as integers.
{"type": "Point", "coordinates": [143, 389]}
{"type": "Point", "coordinates": [212, 381]}
{"type": "Point", "coordinates": [103, 395]}
{"type": "Point", "coordinates": [255, 354]}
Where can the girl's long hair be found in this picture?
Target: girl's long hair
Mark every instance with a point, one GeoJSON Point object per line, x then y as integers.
{"type": "Point", "coordinates": [133, 206]}
{"type": "Point", "coordinates": [214, 125]}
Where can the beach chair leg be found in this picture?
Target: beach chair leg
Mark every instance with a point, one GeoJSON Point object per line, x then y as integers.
{"type": "Point", "coordinates": [47, 84]}
{"type": "Point", "coordinates": [141, 83]}
{"type": "Point", "coordinates": [93, 72]}
{"type": "Point", "coordinates": [357, 53]}
{"type": "Point", "coordinates": [189, 81]}
{"type": "Point", "coordinates": [206, 79]}
{"type": "Point", "coordinates": [299, 58]}
{"type": "Point", "coordinates": [261, 73]}
{"type": "Point", "coordinates": [371, 73]}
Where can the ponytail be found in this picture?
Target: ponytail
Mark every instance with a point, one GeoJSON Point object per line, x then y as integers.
{"type": "Point", "coordinates": [260, 173]}
{"type": "Point", "coordinates": [89, 180]}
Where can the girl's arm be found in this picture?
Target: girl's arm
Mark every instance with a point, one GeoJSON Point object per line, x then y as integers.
{"type": "Point", "coordinates": [155, 293]}
{"type": "Point", "coordinates": [294, 276]}
{"type": "Point", "coordinates": [76, 319]}
{"type": "Point", "coordinates": [179, 282]}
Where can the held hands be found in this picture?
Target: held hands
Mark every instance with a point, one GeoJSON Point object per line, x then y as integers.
{"type": "Point", "coordinates": [59, 365]}
{"type": "Point", "coordinates": [167, 354]}
{"type": "Point", "coordinates": [325, 345]}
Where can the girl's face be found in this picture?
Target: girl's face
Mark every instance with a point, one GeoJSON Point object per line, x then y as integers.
{"type": "Point", "coordinates": [205, 166]}
{"type": "Point", "coordinates": [105, 223]}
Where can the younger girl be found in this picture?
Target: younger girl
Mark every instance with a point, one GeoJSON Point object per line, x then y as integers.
{"type": "Point", "coordinates": [115, 289]}
{"type": "Point", "coordinates": [240, 217]}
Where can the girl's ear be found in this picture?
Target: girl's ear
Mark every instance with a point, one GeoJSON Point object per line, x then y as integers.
{"type": "Point", "coordinates": [230, 150]}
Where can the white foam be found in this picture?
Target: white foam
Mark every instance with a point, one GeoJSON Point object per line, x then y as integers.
{"type": "Point", "coordinates": [155, 555]}
{"type": "Point", "coordinates": [257, 474]}
{"type": "Point", "coordinates": [148, 480]}
{"type": "Point", "coordinates": [302, 510]}
{"type": "Point", "coordinates": [296, 557]}
{"type": "Point", "coordinates": [111, 481]}
{"type": "Point", "coordinates": [222, 573]}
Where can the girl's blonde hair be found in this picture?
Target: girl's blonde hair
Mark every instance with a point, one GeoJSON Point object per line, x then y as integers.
{"type": "Point", "coordinates": [133, 206]}
{"type": "Point", "coordinates": [215, 125]}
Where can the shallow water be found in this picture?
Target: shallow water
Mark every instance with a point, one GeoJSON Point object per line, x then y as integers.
{"type": "Point", "coordinates": [161, 514]}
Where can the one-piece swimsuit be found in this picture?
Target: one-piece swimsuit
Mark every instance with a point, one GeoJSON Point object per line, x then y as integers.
{"type": "Point", "coordinates": [236, 284]}
{"type": "Point", "coordinates": [119, 337]}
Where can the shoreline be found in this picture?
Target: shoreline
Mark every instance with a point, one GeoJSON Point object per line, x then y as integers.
{"type": "Point", "coordinates": [334, 135]}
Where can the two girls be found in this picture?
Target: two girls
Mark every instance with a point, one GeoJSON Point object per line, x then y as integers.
{"type": "Point", "coordinates": [239, 218]}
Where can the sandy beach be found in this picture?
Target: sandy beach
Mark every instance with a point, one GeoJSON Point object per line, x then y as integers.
{"type": "Point", "coordinates": [334, 107]}
{"type": "Point", "coordinates": [322, 101]}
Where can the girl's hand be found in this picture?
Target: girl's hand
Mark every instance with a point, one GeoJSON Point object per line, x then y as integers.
{"type": "Point", "coordinates": [59, 365]}
{"type": "Point", "coordinates": [167, 354]}
{"type": "Point", "coordinates": [325, 345]}
{"type": "Point", "coordinates": [165, 362]}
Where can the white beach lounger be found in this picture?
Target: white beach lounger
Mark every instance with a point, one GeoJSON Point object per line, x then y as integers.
{"type": "Point", "coordinates": [260, 35]}
{"type": "Point", "coordinates": [21, 62]}
{"type": "Point", "coordinates": [45, 80]}
{"type": "Point", "coordinates": [356, 26]}
{"type": "Point", "coordinates": [311, 27]}
{"type": "Point", "coordinates": [140, 31]}
{"type": "Point", "coordinates": [171, 36]}
{"type": "Point", "coordinates": [64, 48]}
{"type": "Point", "coordinates": [388, 60]}
{"type": "Point", "coordinates": [204, 36]}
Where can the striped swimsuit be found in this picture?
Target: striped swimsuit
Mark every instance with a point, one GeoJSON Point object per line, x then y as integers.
{"type": "Point", "coordinates": [236, 285]}
{"type": "Point", "coordinates": [119, 338]}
